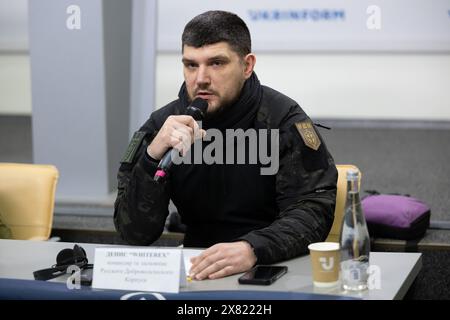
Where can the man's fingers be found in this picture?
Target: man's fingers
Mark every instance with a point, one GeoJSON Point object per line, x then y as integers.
{"type": "Point", "coordinates": [181, 140]}
{"type": "Point", "coordinates": [193, 128]}
{"type": "Point", "coordinates": [193, 260]}
{"type": "Point", "coordinates": [169, 136]}
{"type": "Point", "coordinates": [208, 252]}
{"type": "Point", "coordinates": [186, 120]}
{"type": "Point", "coordinates": [185, 131]}
{"type": "Point", "coordinates": [211, 269]}
{"type": "Point", "coordinates": [199, 134]}
{"type": "Point", "coordinates": [204, 260]}
{"type": "Point", "coordinates": [202, 265]}
{"type": "Point", "coordinates": [228, 270]}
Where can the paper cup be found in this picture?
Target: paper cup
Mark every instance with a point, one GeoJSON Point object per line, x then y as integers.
{"type": "Point", "coordinates": [325, 257]}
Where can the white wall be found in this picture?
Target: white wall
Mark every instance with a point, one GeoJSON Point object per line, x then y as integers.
{"type": "Point", "coordinates": [382, 86]}
{"type": "Point", "coordinates": [370, 86]}
{"type": "Point", "coordinates": [15, 86]}
{"type": "Point", "coordinates": [13, 25]}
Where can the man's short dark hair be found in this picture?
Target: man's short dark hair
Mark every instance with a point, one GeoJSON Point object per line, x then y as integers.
{"type": "Point", "coordinates": [215, 26]}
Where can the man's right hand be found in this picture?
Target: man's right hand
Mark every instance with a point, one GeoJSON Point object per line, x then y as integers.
{"type": "Point", "coordinates": [177, 132]}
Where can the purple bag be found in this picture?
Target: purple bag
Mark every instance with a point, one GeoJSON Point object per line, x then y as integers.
{"type": "Point", "coordinates": [396, 216]}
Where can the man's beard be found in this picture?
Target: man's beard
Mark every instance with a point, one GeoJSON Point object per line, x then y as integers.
{"type": "Point", "coordinates": [216, 113]}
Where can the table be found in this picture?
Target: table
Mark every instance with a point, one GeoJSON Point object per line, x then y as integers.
{"type": "Point", "coordinates": [18, 260]}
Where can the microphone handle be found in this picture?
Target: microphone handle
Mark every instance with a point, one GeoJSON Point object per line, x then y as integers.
{"type": "Point", "coordinates": [166, 161]}
{"type": "Point", "coordinates": [165, 164]}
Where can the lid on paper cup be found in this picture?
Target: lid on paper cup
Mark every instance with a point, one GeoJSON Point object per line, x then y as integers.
{"type": "Point", "coordinates": [324, 246]}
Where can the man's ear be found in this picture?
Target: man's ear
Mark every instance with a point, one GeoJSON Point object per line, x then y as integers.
{"type": "Point", "coordinates": [249, 64]}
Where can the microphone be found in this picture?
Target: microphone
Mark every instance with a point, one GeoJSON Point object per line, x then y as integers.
{"type": "Point", "coordinates": [196, 110]}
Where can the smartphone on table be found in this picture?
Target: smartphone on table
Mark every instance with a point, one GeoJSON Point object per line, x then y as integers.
{"type": "Point", "coordinates": [263, 275]}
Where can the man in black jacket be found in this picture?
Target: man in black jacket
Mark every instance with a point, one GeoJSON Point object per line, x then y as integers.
{"type": "Point", "coordinates": [241, 215]}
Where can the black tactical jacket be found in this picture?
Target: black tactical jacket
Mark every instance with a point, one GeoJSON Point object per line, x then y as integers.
{"type": "Point", "coordinates": [279, 215]}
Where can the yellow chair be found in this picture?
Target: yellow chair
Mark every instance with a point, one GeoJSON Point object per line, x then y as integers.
{"type": "Point", "coordinates": [27, 197]}
{"type": "Point", "coordinates": [341, 193]}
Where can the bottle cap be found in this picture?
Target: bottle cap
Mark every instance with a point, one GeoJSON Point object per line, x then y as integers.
{"type": "Point", "coordinates": [352, 175]}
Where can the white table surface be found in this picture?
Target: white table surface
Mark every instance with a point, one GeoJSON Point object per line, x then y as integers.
{"type": "Point", "coordinates": [18, 260]}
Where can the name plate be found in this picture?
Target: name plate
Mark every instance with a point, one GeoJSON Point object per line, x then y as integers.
{"type": "Point", "coordinates": [157, 270]}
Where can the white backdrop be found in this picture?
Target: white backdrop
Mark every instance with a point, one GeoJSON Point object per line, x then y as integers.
{"type": "Point", "coordinates": [296, 26]}
{"type": "Point", "coordinates": [290, 25]}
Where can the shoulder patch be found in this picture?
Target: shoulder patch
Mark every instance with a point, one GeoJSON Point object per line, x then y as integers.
{"type": "Point", "coordinates": [308, 134]}
{"type": "Point", "coordinates": [135, 142]}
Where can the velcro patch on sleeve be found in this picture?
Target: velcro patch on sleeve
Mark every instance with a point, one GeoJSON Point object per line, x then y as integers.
{"type": "Point", "coordinates": [308, 134]}
{"type": "Point", "coordinates": [135, 142]}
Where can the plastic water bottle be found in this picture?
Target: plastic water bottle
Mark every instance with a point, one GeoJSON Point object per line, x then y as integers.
{"type": "Point", "coordinates": [354, 239]}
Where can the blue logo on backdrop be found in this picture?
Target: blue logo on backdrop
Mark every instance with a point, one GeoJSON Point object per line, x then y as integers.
{"type": "Point", "coordinates": [301, 15]}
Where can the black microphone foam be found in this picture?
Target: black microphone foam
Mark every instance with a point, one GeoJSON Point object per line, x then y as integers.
{"type": "Point", "coordinates": [197, 109]}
